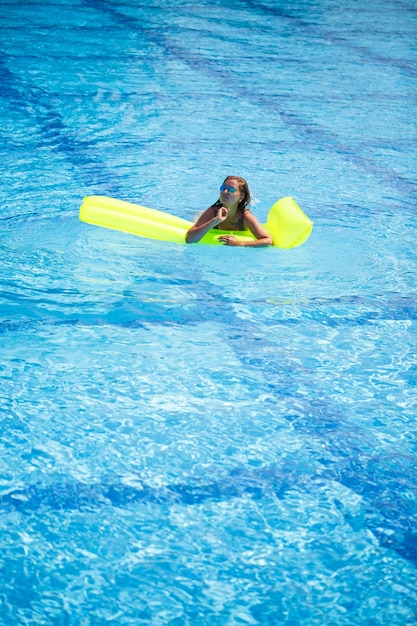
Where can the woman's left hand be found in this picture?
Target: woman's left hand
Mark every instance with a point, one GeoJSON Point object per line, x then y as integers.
{"type": "Point", "coordinates": [229, 240]}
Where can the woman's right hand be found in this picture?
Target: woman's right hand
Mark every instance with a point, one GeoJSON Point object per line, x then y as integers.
{"type": "Point", "coordinates": [206, 222]}
{"type": "Point", "coordinates": [222, 213]}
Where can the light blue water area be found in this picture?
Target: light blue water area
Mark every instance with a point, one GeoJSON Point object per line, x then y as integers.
{"type": "Point", "coordinates": [196, 435]}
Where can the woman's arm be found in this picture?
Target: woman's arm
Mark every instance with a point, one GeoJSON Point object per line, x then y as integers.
{"type": "Point", "coordinates": [207, 220]}
{"type": "Point", "coordinates": [263, 238]}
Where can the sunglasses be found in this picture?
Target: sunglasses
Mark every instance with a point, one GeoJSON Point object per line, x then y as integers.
{"type": "Point", "coordinates": [228, 187]}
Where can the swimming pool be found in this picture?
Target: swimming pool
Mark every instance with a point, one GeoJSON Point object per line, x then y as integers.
{"type": "Point", "coordinates": [198, 435]}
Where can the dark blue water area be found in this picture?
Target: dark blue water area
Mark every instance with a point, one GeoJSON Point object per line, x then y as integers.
{"type": "Point", "coordinates": [37, 105]}
{"type": "Point", "coordinates": [392, 521]}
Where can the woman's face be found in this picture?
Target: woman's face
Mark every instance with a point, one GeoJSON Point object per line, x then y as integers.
{"type": "Point", "coordinates": [230, 192]}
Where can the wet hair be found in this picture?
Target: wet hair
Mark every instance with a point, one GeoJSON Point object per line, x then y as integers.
{"type": "Point", "coordinates": [243, 188]}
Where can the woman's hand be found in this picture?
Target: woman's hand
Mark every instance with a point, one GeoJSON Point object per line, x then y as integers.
{"type": "Point", "coordinates": [211, 217]}
{"type": "Point", "coordinates": [229, 240]}
{"type": "Point", "coordinates": [222, 214]}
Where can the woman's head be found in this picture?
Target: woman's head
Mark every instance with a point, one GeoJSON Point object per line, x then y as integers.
{"type": "Point", "coordinates": [242, 190]}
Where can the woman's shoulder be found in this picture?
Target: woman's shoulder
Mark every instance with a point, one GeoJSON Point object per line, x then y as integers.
{"type": "Point", "coordinates": [250, 219]}
{"type": "Point", "coordinates": [247, 214]}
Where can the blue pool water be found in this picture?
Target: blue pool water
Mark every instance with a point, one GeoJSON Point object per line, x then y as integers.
{"type": "Point", "coordinates": [199, 435]}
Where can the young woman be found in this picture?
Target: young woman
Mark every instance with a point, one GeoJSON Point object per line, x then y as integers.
{"type": "Point", "coordinates": [231, 212]}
